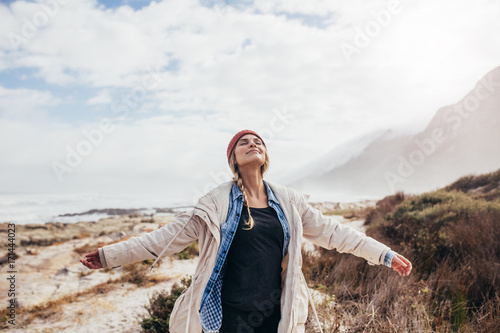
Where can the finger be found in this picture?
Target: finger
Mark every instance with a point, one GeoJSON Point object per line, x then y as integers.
{"type": "Point", "coordinates": [398, 262]}
{"type": "Point", "coordinates": [409, 266]}
{"type": "Point", "coordinates": [406, 261]}
{"type": "Point", "coordinates": [408, 270]}
{"type": "Point", "coordinates": [402, 260]}
{"type": "Point", "coordinates": [86, 263]}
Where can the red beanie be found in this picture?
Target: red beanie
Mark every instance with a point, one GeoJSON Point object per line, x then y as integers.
{"type": "Point", "coordinates": [235, 139]}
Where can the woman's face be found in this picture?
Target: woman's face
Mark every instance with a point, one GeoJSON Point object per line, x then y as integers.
{"type": "Point", "coordinates": [249, 150]}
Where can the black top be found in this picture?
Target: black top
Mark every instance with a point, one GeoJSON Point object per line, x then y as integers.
{"type": "Point", "coordinates": [252, 280]}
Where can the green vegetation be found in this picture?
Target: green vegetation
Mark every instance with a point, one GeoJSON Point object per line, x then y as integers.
{"type": "Point", "coordinates": [486, 186]}
{"type": "Point", "coordinates": [161, 306]}
{"type": "Point", "coordinates": [189, 252]}
{"type": "Point", "coordinates": [452, 238]}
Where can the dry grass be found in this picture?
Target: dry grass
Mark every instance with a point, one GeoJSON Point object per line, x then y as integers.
{"type": "Point", "coordinates": [136, 273]}
{"type": "Point", "coordinates": [485, 186]}
{"type": "Point", "coordinates": [91, 247]}
{"type": "Point", "coordinates": [350, 213]}
{"type": "Point", "coordinates": [453, 242]}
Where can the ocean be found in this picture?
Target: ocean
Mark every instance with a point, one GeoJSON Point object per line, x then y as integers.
{"type": "Point", "coordinates": [42, 208]}
{"type": "Point", "coordinates": [39, 208]}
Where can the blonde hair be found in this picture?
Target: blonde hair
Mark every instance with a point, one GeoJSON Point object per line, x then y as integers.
{"type": "Point", "coordinates": [239, 181]}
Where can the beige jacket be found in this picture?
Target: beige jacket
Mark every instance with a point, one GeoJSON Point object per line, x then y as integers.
{"type": "Point", "coordinates": [203, 224]}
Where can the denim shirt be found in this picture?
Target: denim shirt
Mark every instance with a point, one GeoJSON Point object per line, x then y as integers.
{"type": "Point", "coordinates": [211, 306]}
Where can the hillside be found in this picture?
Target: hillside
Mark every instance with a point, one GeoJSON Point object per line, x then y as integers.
{"type": "Point", "coordinates": [451, 237]}
{"type": "Point", "coordinates": [462, 138]}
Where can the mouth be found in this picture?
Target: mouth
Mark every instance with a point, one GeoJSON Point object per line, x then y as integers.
{"type": "Point", "coordinates": [251, 151]}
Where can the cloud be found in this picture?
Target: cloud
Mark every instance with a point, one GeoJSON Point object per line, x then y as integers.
{"type": "Point", "coordinates": [27, 104]}
{"type": "Point", "coordinates": [226, 68]}
{"type": "Point", "coordinates": [103, 97]}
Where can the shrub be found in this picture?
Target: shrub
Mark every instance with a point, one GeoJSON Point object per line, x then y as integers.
{"type": "Point", "coordinates": [486, 186]}
{"type": "Point", "coordinates": [384, 206]}
{"type": "Point", "coordinates": [189, 252]}
{"type": "Point", "coordinates": [161, 306]}
{"type": "Point", "coordinates": [451, 240]}
{"type": "Point", "coordinates": [137, 273]}
{"type": "Point", "coordinates": [489, 181]}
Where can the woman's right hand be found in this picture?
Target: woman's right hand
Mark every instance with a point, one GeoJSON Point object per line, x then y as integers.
{"type": "Point", "coordinates": [92, 261]}
{"type": "Point", "coordinates": [401, 265]}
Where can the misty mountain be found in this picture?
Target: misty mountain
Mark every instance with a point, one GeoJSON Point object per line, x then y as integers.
{"type": "Point", "coordinates": [461, 139]}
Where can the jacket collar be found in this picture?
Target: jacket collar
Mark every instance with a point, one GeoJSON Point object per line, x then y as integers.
{"type": "Point", "coordinates": [215, 203]}
{"type": "Point", "coordinates": [236, 192]}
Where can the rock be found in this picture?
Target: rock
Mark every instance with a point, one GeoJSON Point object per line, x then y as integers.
{"type": "Point", "coordinates": [37, 226]}
{"type": "Point", "coordinates": [144, 227]}
{"type": "Point", "coordinates": [4, 260]}
{"type": "Point", "coordinates": [162, 218]}
{"type": "Point", "coordinates": [31, 251]}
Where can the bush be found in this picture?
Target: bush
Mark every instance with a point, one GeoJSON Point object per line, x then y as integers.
{"type": "Point", "coordinates": [138, 273]}
{"type": "Point", "coordinates": [489, 181]}
{"type": "Point", "coordinates": [453, 243]}
{"type": "Point", "coordinates": [161, 306]}
{"type": "Point", "coordinates": [384, 206]}
{"type": "Point", "coordinates": [189, 252]}
{"type": "Point", "coordinates": [486, 186]}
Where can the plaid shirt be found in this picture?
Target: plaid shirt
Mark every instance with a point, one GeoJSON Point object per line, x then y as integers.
{"type": "Point", "coordinates": [211, 306]}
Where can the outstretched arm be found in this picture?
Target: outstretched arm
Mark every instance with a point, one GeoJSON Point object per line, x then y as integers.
{"type": "Point", "coordinates": [182, 231]}
{"type": "Point", "coordinates": [329, 233]}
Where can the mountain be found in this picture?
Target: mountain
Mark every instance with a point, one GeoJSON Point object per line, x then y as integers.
{"type": "Point", "coordinates": [461, 139]}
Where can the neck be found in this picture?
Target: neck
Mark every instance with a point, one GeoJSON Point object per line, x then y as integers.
{"type": "Point", "coordinates": [254, 185]}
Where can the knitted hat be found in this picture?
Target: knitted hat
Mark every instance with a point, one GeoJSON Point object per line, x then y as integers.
{"type": "Point", "coordinates": [235, 139]}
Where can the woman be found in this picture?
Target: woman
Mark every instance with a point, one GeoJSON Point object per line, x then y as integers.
{"type": "Point", "coordinates": [249, 231]}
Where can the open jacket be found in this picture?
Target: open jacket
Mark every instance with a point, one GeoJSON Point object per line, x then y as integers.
{"type": "Point", "coordinates": [203, 224]}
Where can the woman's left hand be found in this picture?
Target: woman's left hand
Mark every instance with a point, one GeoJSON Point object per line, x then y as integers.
{"type": "Point", "coordinates": [401, 265]}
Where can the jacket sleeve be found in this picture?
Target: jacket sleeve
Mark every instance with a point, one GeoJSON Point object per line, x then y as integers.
{"type": "Point", "coordinates": [329, 233]}
{"type": "Point", "coordinates": [150, 245]}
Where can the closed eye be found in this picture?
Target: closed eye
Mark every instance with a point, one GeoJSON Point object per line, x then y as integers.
{"type": "Point", "coordinates": [243, 142]}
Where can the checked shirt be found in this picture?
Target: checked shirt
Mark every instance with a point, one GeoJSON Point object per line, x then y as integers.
{"type": "Point", "coordinates": [211, 306]}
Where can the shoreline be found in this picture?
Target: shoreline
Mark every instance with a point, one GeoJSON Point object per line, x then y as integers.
{"type": "Point", "coordinates": [133, 222]}
{"type": "Point", "coordinates": [130, 222]}
{"type": "Point", "coordinates": [96, 214]}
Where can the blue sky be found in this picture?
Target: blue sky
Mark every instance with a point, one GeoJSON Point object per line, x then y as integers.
{"type": "Point", "coordinates": [176, 79]}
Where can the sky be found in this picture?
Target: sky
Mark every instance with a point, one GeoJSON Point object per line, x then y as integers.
{"type": "Point", "coordinates": [144, 96]}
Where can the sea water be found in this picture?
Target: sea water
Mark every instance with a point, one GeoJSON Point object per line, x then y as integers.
{"type": "Point", "coordinates": [24, 208]}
